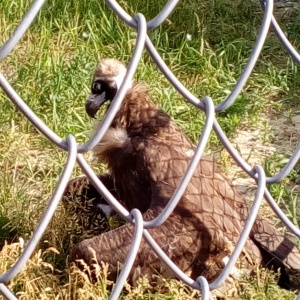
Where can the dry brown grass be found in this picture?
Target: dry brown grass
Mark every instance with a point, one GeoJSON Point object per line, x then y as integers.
{"type": "Point", "coordinates": [39, 279]}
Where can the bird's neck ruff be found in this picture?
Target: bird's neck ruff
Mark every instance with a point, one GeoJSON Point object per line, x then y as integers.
{"type": "Point", "coordinates": [138, 117]}
{"type": "Point", "coordinates": [136, 108]}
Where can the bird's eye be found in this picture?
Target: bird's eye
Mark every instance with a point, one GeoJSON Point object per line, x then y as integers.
{"type": "Point", "coordinates": [96, 87]}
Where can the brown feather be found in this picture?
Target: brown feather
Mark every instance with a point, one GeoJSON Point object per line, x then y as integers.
{"type": "Point", "coordinates": [147, 155]}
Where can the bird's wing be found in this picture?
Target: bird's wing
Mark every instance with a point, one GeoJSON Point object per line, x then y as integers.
{"type": "Point", "coordinates": [182, 244]}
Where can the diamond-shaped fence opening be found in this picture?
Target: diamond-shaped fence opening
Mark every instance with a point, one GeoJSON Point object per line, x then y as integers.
{"type": "Point", "coordinates": [143, 27]}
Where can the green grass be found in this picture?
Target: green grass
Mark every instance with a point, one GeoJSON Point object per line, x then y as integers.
{"type": "Point", "coordinates": [51, 69]}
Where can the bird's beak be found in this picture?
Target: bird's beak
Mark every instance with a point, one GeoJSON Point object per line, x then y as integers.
{"type": "Point", "coordinates": [93, 103]}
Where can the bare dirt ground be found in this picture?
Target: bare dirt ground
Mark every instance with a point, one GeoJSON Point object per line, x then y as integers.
{"type": "Point", "coordinates": [279, 136]}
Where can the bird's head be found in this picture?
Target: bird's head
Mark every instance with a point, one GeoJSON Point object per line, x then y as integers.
{"type": "Point", "coordinates": [108, 78]}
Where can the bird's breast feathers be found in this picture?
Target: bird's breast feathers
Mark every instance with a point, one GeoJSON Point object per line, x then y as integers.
{"type": "Point", "coordinates": [114, 138]}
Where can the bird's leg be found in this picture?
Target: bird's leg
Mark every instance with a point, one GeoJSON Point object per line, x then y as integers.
{"type": "Point", "coordinates": [82, 201]}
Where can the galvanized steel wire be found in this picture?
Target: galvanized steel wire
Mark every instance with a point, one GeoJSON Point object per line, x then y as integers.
{"type": "Point", "coordinates": [139, 23]}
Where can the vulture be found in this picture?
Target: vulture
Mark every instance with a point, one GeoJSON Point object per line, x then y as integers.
{"type": "Point", "coordinates": [147, 155]}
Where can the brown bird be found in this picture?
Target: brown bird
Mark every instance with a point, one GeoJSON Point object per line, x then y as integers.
{"type": "Point", "coordinates": [147, 155]}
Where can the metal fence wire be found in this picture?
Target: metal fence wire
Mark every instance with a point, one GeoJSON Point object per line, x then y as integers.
{"type": "Point", "coordinates": [139, 23]}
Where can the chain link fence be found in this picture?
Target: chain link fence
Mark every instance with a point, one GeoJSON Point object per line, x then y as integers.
{"type": "Point", "coordinates": [75, 152]}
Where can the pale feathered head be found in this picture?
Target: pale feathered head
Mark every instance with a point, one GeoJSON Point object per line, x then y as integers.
{"type": "Point", "coordinates": [108, 78]}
